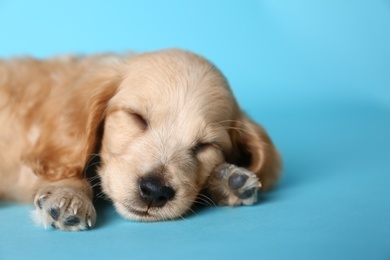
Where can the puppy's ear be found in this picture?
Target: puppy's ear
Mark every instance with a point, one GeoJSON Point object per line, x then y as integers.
{"type": "Point", "coordinates": [253, 149]}
{"type": "Point", "coordinates": [71, 131]}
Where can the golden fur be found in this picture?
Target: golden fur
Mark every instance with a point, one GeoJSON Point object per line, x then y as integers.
{"type": "Point", "coordinates": [141, 114]}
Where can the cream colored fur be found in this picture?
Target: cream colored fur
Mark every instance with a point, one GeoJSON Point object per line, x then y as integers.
{"type": "Point", "coordinates": [141, 114]}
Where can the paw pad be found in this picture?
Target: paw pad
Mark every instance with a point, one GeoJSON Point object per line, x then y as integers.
{"type": "Point", "coordinates": [233, 185]}
{"type": "Point", "coordinates": [71, 221]}
{"type": "Point", "coordinates": [236, 181]}
{"type": "Point", "coordinates": [65, 209]}
{"type": "Point", "coordinates": [54, 213]}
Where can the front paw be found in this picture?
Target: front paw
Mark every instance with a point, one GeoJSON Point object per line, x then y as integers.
{"type": "Point", "coordinates": [64, 208]}
{"type": "Point", "coordinates": [232, 185]}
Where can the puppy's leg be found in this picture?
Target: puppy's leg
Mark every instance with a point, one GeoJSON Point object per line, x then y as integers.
{"type": "Point", "coordinates": [66, 205]}
{"type": "Point", "coordinates": [232, 185]}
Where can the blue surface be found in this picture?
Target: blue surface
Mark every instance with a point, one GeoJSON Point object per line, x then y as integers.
{"type": "Point", "coordinates": [316, 74]}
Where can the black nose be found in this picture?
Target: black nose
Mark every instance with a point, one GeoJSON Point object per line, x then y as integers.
{"type": "Point", "coordinates": [153, 191]}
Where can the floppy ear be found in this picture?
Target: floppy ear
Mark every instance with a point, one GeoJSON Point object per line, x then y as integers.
{"type": "Point", "coordinates": [70, 128]}
{"type": "Point", "coordinates": [253, 149]}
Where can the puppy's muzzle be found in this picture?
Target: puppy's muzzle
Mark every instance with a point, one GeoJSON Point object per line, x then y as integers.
{"type": "Point", "coordinates": [153, 191]}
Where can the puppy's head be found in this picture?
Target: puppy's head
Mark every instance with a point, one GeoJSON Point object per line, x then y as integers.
{"type": "Point", "coordinates": [167, 127]}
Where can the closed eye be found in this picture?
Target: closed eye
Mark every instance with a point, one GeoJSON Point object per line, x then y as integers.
{"type": "Point", "coordinates": [139, 119]}
{"type": "Point", "coordinates": [200, 147]}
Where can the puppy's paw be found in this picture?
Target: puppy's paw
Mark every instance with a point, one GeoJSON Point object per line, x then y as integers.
{"type": "Point", "coordinates": [64, 208]}
{"type": "Point", "coordinates": [232, 185]}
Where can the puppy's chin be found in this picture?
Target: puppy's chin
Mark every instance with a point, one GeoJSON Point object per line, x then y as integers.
{"type": "Point", "coordinates": [153, 215]}
{"type": "Point", "coordinates": [134, 214]}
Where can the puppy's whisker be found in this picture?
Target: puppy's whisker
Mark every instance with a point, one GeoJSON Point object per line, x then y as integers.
{"type": "Point", "coordinates": [96, 185]}
{"type": "Point", "coordinates": [206, 199]}
{"type": "Point", "coordinates": [192, 211]}
{"type": "Point", "coordinates": [92, 156]}
{"type": "Point", "coordinates": [172, 215]}
{"type": "Point", "coordinates": [202, 202]}
{"type": "Point", "coordinates": [197, 202]}
{"type": "Point", "coordinates": [201, 197]}
{"type": "Point", "coordinates": [94, 177]}
{"type": "Point", "coordinates": [88, 166]}
{"type": "Point", "coordinates": [102, 195]}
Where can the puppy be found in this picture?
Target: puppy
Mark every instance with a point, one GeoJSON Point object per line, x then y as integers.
{"type": "Point", "coordinates": [165, 126]}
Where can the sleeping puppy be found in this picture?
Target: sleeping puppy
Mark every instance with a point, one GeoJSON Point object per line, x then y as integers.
{"type": "Point", "coordinates": [165, 126]}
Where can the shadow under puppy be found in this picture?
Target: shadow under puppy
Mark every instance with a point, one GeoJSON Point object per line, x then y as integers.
{"type": "Point", "coordinates": [165, 125]}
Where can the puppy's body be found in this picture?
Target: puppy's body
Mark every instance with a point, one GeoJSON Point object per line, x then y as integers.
{"type": "Point", "coordinates": [43, 110]}
{"type": "Point", "coordinates": [163, 123]}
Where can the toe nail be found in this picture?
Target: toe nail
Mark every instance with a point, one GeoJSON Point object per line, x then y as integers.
{"type": "Point", "coordinates": [39, 203]}
{"type": "Point", "coordinates": [89, 222]}
{"type": "Point", "coordinates": [62, 202]}
{"type": "Point", "coordinates": [41, 199]}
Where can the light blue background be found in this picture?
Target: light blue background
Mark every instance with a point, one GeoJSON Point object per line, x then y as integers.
{"type": "Point", "coordinates": [316, 74]}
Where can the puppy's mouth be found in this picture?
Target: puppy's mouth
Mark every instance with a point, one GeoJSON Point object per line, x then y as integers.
{"type": "Point", "coordinates": [154, 199]}
{"type": "Point", "coordinates": [141, 213]}
{"type": "Point", "coordinates": [131, 213]}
